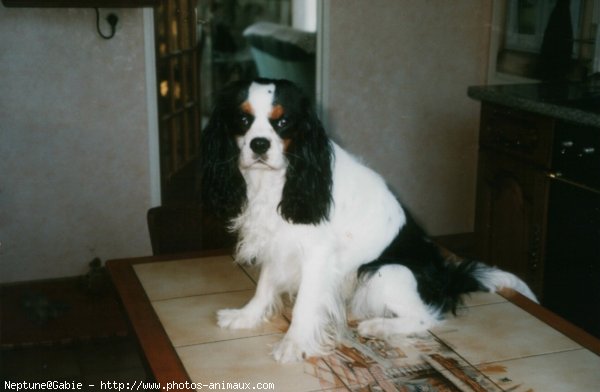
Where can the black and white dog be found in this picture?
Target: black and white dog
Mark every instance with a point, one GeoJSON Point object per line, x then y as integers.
{"type": "Point", "coordinates": [323, 227]}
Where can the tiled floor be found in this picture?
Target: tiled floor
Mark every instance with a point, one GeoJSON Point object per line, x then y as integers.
{"type": "Point", "coordinates": [492, 344]}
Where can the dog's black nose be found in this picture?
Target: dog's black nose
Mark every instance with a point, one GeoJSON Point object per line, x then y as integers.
{"type": "Point", "coordinates": [260, 145]}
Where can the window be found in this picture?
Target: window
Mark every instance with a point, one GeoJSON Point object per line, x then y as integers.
{"type": "Point", "coordinates": [527, 20]}
{"type": "Point", "coordinates": [525, 25]}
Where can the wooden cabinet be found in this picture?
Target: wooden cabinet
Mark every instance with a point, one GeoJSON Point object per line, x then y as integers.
{"type": "Point", "coordinates": [512, 191]}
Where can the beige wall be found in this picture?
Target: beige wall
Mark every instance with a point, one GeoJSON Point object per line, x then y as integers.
{"type": "Point", "coordinates": [74, 164]}
{"type": "Point", "coordinates": [398, 73]}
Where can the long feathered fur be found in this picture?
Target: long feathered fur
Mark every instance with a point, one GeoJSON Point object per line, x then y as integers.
{"type": "Point", "coordinates": [306, 197]}
{"type": "Point", "coordinates": [222, 187]}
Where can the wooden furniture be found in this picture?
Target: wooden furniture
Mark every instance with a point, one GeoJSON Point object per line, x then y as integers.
{"type": "Point", "coordinates": [538, 203]}
{"type": "Point", "coordinates": [175, 229]}
{"type": "Point", "coordinates": [512, 190]}
{"type": "Point", "coordinates": [491, 345]}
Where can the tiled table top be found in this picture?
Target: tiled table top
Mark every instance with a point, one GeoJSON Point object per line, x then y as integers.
{"type": "Point", "coordinates": [492, 345]}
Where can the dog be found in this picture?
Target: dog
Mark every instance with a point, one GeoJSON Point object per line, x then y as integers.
{"type": "Point", "coordinates": [323, 227]}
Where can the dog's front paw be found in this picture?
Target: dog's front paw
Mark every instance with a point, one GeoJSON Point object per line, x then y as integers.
{"type": "Point", "coordinates": [237, 319]}
{"type": "Point", "coordinates": [373, 328]}
{"type": "Point", "coordinates": [291, 349]}
{"type": "Point", "coordinates": [287, 350]}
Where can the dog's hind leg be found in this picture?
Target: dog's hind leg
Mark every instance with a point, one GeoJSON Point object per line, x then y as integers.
{"type": "Point", "coordinates": [388, 303]}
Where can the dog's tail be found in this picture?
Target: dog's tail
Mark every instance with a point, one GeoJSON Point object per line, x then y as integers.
{"type": "Point", "coordinates": [468, 276]}
{"type": "Point", "coordinates": [493, 279]}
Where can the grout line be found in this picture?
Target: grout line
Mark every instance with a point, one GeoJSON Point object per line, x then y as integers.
{"type": "Point", "coordinates": [229, 340]}
{"type": "Point", "coordinates": [532, 356]}
{"type": "Point", "coordinates": [247, 274]}
{"type": "Point", "coordinates": [152, 301]}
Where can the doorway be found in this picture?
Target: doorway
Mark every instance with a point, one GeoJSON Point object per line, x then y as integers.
{"type": "Point", "coordinates": [178, 55]}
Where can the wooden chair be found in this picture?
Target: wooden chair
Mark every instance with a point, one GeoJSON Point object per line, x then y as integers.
{"type": "Point", "coordinates": [185, 229]}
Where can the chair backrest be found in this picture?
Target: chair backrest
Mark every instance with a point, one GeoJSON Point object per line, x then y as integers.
{"type": "Point", "coordinates": [282, 52]}
{"type": "Point", "coordinates": [185, 229]}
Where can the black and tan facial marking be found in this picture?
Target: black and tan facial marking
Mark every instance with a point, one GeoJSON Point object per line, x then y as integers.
{"type": "Point", "coordinates": [271, 104]}
{"type": "Point", "coordinates": [245, 117]}
{"type": "Point", "coordinates": [281, 124]}
{"type": "Point", "coordinates": [247, 114]}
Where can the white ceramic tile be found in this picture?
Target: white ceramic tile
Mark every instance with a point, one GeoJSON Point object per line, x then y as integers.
{"type": "Point", "coordinates": [514, 349]}
{"type": "Point", "coordinates": [248, 360]}
{"type": "Point", "coordinates": [192, 320]}
{"type": "Point", "coordinates": [182, 278]}
{"type": "Point", "coordinates": [252, 270]}
{"type": "Point", "coordinates": [490, 333]}
{"type": "Point", "coordinates": [577, 370]}
{"type": "Point", "coordinates": [482, 298]}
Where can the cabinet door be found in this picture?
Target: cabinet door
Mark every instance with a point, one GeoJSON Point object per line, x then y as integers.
{"type": "Point", "coordinates": [511, 216]}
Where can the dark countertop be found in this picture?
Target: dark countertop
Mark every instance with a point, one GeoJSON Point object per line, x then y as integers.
{"type": "Point", "coordinates": [575, 102]}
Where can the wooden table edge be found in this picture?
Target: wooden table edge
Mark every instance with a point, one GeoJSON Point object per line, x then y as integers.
{"type": "Point", "coordinates": [160, 355]}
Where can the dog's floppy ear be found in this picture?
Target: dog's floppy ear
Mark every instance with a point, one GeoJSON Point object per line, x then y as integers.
{"type": "Point", "coordinates": [307, 197]}
{"type": "Point", "coordinates": [223, 189]}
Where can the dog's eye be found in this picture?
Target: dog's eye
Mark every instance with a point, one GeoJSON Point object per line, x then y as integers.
{"type": "Point", "coordinates": [245, 120]}
{"type": "Point", "coordinates": [281, 123]}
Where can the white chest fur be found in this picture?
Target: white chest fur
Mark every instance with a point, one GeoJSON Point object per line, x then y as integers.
{"type": "Point", "coordinates": [260, 221]}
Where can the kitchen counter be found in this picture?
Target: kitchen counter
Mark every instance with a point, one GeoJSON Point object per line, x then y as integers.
{"type": "Point", "coordinates": [496, 343]}
{"type": "Point", "coordinates": [538, 191]}
{"type": "Point", "coordinates": [574, 102]}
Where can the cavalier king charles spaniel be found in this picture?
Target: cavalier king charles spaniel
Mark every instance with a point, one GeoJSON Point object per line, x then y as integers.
{"type": "Point", "coordinates": [324, 228]}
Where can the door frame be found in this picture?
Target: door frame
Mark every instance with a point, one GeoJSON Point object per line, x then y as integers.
{"type": "Point", "coordinates": [322, 88]}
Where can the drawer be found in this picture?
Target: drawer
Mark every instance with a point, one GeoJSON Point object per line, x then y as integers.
{"type": "Point", "coordinates": [518, 133]}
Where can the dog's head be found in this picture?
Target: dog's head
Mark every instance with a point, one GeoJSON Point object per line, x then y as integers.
{"type": "Point", "coordinates": [266, 125]}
